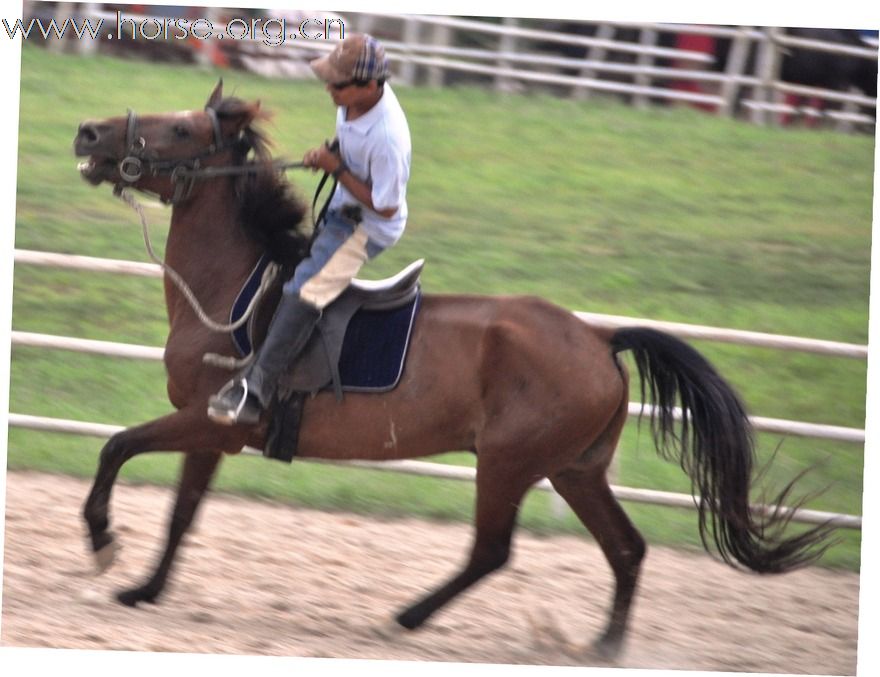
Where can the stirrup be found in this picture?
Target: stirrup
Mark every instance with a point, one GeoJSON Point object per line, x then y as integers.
{"type": "Point", "coordinates": [220, 411]}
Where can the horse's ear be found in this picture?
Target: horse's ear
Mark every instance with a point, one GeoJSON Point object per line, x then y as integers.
{"type": "Point", "coordinates": [216, 96]}
{"type": "Point", "coordinates": [237, 115]}
{"type": "Point", "coordinates": [247, 113]}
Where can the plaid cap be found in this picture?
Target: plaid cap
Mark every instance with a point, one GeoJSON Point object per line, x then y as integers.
{"type": "Point", "coordinates": [358, 57]}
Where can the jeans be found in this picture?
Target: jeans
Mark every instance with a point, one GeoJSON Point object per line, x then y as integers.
{"type": "Point", "coordinates": [337, 253]}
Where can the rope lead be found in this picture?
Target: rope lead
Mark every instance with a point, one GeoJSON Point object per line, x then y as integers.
{"type": "Point", "coordinates": [268, 278]}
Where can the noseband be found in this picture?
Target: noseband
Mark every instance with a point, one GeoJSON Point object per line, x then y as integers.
{"type": "Point", "coordinates": [183, 171]}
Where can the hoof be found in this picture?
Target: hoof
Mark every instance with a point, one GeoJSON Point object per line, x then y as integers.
{"type": "Point", "coordinates": [389, 630]}
{"type": "Point", "coordinates": [132, 597]}
{"type": "Point", "coordinates": [105, 556]}
{"type": "Point", "coordinates": [608, 650]}
{"type": "Point", "coordinates": [548, 636]}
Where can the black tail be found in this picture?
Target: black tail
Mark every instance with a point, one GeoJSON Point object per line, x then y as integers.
{"type": "Point", "coordinates": [715, 448]}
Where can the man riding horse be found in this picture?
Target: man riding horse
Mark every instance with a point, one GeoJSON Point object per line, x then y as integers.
{"type": "Point", "coordinates": [366, 215]}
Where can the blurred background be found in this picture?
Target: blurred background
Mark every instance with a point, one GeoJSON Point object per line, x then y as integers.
{"type": "Point", "coordinates": [764, 74]}
{"type": "Point", "coordinates": [718, 176]}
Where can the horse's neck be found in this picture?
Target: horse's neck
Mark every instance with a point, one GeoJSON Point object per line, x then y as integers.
{"type": "Point", "coordinates": [208, 248]}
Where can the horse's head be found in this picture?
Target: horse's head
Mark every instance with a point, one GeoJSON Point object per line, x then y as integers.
{"type": "Point", "coordinates": [151, 152]}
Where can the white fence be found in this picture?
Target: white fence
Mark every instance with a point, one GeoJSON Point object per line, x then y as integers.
{"type": "Point", "coordinates": [797, 428]}
{"type": "Point", "coordinates": [510, 54]}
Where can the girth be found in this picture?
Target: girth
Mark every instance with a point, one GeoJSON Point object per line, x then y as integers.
{"type": "Point", "coordinates": [318, 365]}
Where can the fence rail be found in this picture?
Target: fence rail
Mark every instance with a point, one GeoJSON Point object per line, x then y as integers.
{"type": "Point", "coordinates": [110, 349]}
{"type": "Point", "coordinates": [513, 53]}
{"type": "Point", "coordinates": [20, 338]}
{"type": "Point", "coordinates": [682, 330]}
{"type": "Point", "coordinates": [438, 470]}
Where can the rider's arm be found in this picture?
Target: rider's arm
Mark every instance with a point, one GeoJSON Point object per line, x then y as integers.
{"type": "Point", "coordinates": [324, 158]}
{"type": "Point", "coordinates": [362, 192]}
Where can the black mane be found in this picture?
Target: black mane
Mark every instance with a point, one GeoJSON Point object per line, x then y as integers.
{"type": "Point", "coordinates": [269, 210]}
{"type": "Point", "coordinates": [272, 215]}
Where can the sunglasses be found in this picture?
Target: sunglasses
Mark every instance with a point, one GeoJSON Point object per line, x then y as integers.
{"type": "Point", "coordinates": [348, 83]}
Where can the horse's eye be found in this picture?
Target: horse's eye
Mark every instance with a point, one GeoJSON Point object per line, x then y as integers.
{"type": "Point", "coordinates": [181, 132]}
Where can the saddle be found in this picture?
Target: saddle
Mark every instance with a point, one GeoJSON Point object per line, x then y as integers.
{"type": "Point", "coordinates": [317, 367]}
{"type": "Point", "coordinates": [394, 301]}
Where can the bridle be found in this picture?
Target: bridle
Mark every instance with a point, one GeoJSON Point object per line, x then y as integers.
{"type": "Point", "coordinates": [185, 171]}
{"type": "Point", "coordinates": [138, 163]}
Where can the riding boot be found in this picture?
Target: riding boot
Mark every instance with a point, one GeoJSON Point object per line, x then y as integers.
{"type": "Point", "coordinates": [244, 399]}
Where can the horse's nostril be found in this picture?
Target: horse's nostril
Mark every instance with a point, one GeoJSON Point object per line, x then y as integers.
{"type": "Point", "coordinates": [88, 135]}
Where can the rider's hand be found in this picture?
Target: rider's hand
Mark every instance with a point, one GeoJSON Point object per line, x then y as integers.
{"type": "Point", "coordinates": [322, 158]}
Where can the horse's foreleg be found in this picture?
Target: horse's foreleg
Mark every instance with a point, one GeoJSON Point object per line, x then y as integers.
{"type": "Point", "coordinates": [183, 430]}
{"type": "Point", "coordinates": [498, 500]}
{"type": "Point", "coordinates": [198, 470]}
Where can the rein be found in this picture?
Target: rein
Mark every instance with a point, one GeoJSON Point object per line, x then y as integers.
{"type": "Point", "coordinates": [183, 173]}
{"type": "Point", "coordinates": [237, 170]}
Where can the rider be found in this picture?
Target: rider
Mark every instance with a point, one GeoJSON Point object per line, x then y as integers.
{"type": "Point", "coordinates": [366, 215]}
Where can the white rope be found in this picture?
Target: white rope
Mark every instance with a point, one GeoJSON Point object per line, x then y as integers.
{"type": "Point", "coordinates": [269, 275]}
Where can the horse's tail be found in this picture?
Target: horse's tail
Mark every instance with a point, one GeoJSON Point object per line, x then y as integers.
{"type": "Point", "coordinates": [715, 447]}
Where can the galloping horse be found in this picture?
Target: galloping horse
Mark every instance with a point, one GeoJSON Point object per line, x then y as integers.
{"type": "Point", "coordinates": [526, 386]}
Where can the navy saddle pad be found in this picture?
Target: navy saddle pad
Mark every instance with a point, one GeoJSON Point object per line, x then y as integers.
{"type": "Point", "coordinates": [375, 347]}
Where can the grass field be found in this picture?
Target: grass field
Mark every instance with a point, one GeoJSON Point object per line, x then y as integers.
{"type": "Point", "coordinates": [665, 213]}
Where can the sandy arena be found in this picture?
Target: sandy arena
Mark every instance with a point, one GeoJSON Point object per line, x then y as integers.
{"type": "Point", "coordinates": [264, 578]}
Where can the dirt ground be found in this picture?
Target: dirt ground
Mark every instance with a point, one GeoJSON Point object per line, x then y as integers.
{"type": "Point", "coordinates": [267, 579]}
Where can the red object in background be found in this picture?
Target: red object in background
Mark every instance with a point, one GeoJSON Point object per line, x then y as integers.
{"type": "Point", "coordinates": [211, 49]}
{"type": "Point", "coordinates": [693, 43]}
{"type": "Point", "coordinates": [795, 101]}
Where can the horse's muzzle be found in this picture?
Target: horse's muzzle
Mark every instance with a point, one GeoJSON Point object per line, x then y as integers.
{"type": "Point", "coordinates": [95, 141]}
{"type": "Point", "coordinates": [93, 137]}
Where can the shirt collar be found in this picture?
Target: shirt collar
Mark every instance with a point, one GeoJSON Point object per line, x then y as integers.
{"type": "Point", "coordinates": [371, 117]}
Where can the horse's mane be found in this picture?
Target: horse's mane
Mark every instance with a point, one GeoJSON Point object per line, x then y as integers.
{"type": "Point", "coordinates": [269, 210]}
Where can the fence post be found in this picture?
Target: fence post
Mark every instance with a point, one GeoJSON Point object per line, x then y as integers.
{"type": "Point", "coordinates": [737, 60]}
{"type": "Point", "coordinates": [647, 38]}
{"type": "Point", "coordinates": [844, 125]}
{"type": "Point", "coordinates": [593, 53]}
{"type": "Point", "coordinates": [441, 36]}
{"type": "Point", "coordinates": [86, 46]}
{"type": "Point", "coordinates": [62, 13]}
{"type": "Point", "coordinates": [411, 31]}
{"type": "Point", "coordinates": [366, 23]}
{"type": "Point", "coordinates": [768, 73]}
{"type": "Point", "coordinates": [507, 44]}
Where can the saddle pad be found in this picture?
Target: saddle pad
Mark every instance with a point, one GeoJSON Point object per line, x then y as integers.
{"type": "Point", "coordinates": [375, 347]}
{"type": "Point", "coordinates": [241, 337]}
{"type": "Point", "coordinates": [372, 358]}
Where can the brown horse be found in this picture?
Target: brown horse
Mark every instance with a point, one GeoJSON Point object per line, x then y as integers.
{"type": "Point", "coordinates": [527, 387]}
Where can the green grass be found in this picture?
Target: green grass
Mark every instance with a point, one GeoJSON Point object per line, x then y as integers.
{"type": "Point", "coordinates": [665, 213]}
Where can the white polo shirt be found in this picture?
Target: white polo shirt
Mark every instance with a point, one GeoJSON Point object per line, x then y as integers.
{"type": "Point", "coordinates": [377, 149]}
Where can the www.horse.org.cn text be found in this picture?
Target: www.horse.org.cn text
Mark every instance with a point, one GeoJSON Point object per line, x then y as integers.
{"type": "Point", "coordinates": [272, 32]}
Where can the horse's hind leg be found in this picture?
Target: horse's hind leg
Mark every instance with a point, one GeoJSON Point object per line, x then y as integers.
{"type": "Point", "coordinates": [584, 486]}
{"type": "Point", "coordinates": [498, 499]}
{"type": "Point", "coordinates": [198, 470]}
{"type": "Point", "coordinates": [595, 505]}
